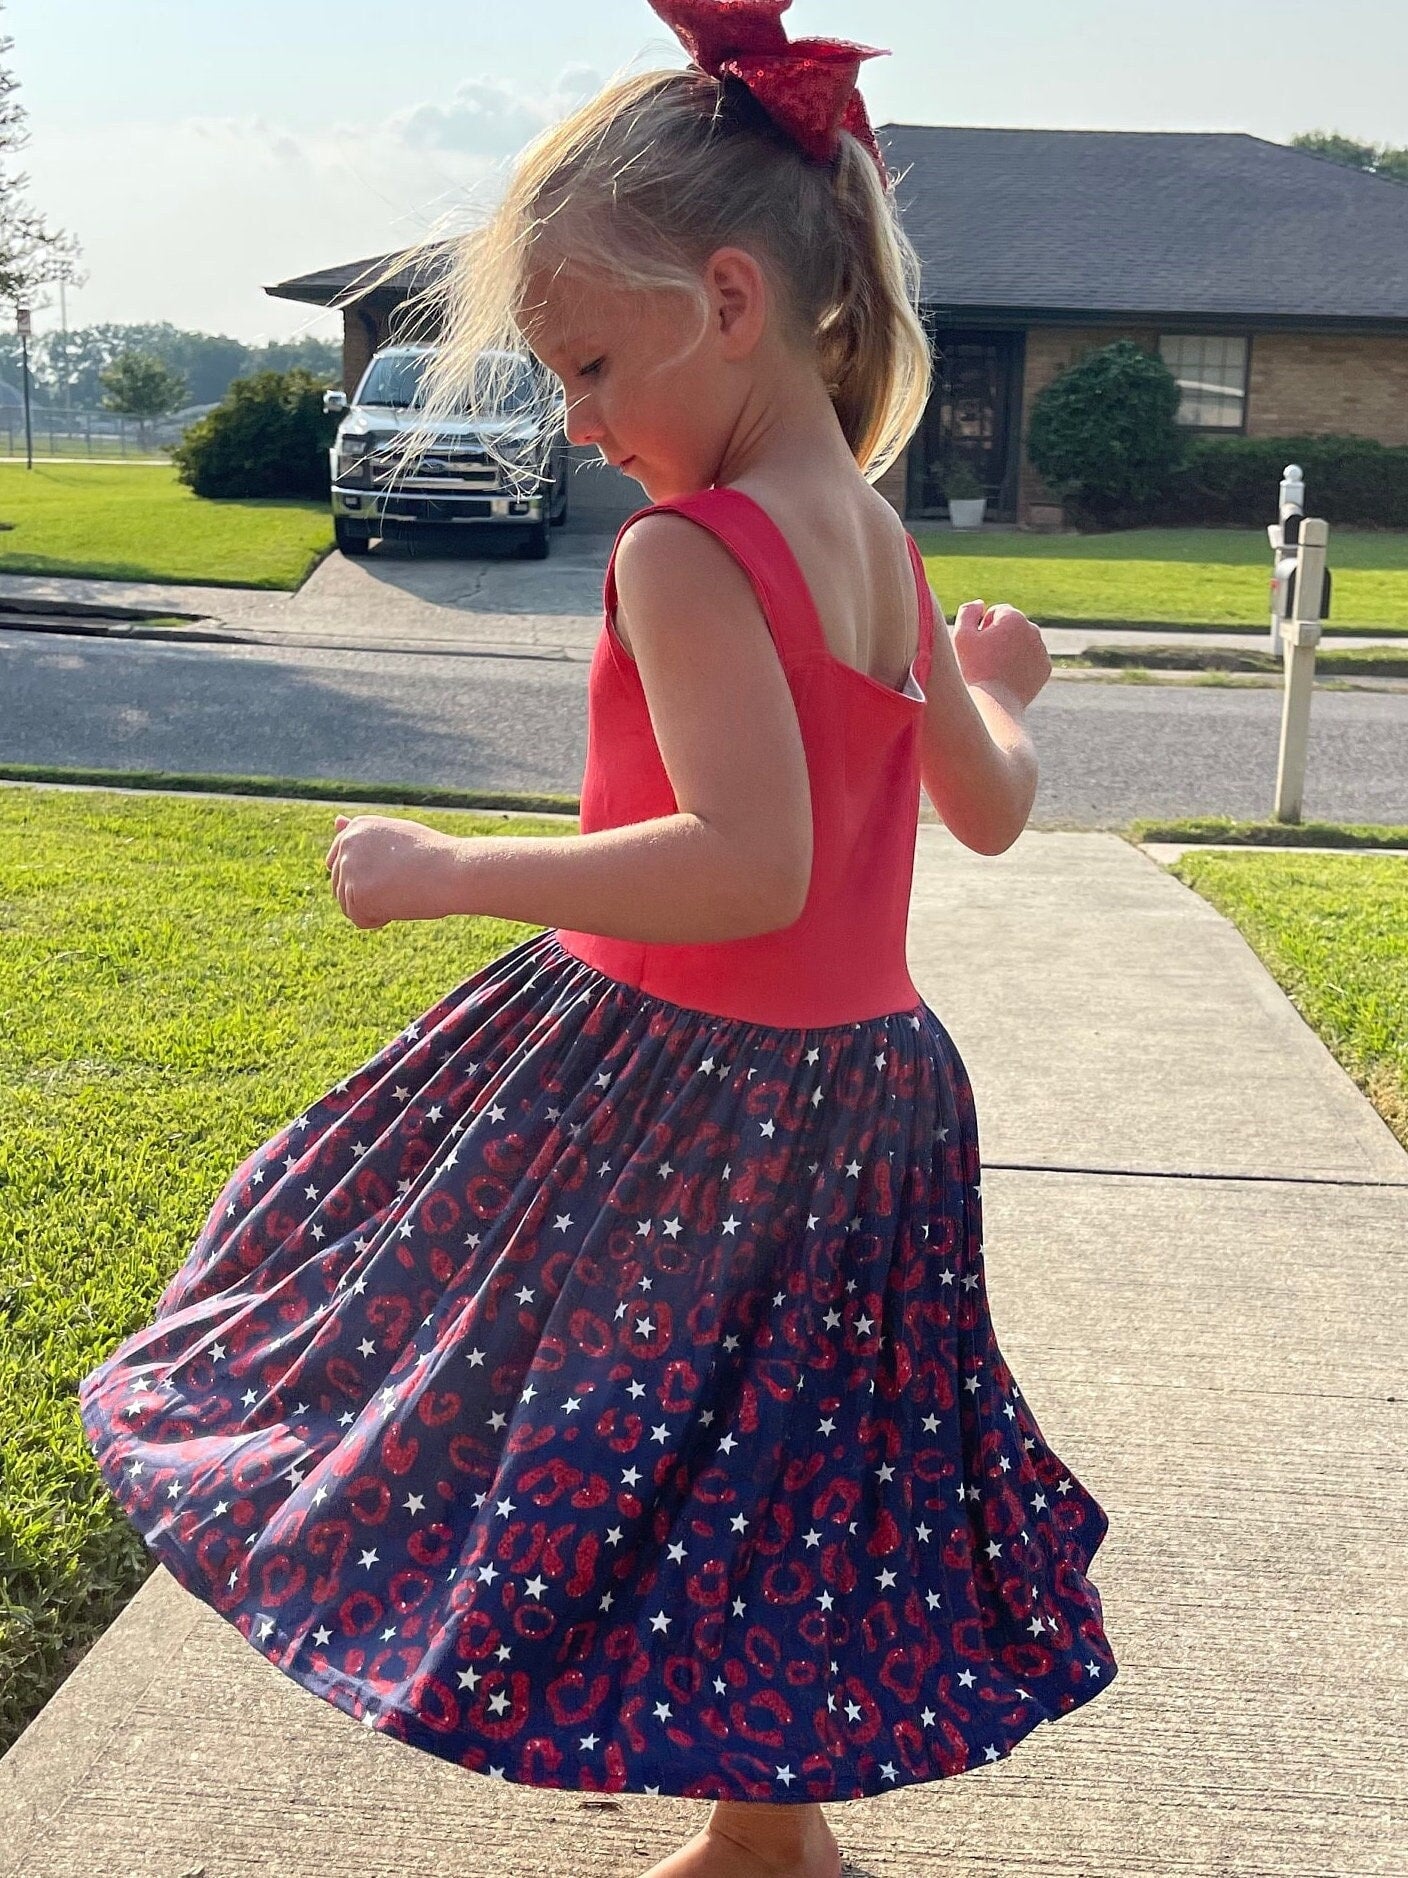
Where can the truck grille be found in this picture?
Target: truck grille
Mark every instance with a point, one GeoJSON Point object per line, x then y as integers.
{"type": "Point", "coordinates": [439, 469]}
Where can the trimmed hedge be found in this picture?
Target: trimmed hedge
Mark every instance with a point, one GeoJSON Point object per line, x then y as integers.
{"type": "Point", "coordinates": [1348, 480]}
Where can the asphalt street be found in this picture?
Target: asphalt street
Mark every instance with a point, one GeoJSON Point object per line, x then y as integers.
{"type": "Point", "coordinates": [517, 721]}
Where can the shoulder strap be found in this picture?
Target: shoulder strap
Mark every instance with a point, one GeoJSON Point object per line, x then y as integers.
{"type": "Point", "coordinates": [928, 618]}
{"type": "Point", "coordinates": [760, 548]}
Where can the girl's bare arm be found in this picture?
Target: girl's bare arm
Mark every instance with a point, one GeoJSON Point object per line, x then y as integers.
{"type": "Point", "coordinates": [736, 858]}
{"type": "Point", "coordinates": [977, 761]}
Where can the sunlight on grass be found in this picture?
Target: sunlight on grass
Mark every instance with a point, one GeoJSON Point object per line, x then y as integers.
{"type": "Point", "coordinates": [1203, 575]}
{"type": "Point", "coordinates": [1332, 929]}
{"type": "Point", "coordinates": [177, 982]}
{"type": "Point", "coordinates": [116, 521]}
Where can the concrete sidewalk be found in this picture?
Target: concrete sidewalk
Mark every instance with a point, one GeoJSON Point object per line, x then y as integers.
{"type": "Point", "coordinates": [1194, 1256]}
{"type": "Point", "coordinates": [433, 600]}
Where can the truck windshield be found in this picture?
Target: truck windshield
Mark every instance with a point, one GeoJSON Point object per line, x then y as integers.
{"type": "Point", "coordinates": [393, 379]}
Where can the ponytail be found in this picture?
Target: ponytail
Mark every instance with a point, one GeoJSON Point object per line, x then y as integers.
{"type": "Point", "coordinates": [873, 350]}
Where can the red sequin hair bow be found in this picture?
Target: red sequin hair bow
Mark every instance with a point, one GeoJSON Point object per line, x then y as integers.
{"type": "Point", "coordinates": [808, 86]}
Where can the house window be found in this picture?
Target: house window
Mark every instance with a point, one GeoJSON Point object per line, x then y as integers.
{"type": "Point", "coordinates": [1211, 370]}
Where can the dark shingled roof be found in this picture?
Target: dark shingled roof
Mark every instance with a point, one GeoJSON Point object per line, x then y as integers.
{"type": "Point", "coordinates": [325, 284]}
{"type": "Point", "coordinates": [1181, 222]}
{"type": "Point", "coordinates": [1018, 224]}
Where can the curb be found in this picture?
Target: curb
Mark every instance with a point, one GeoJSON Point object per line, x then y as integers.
{"type": "Point", "coordinates": [113, 626]}
{"type": "Point", "coordinates": [124, 623]}
{"type": "Point", "coordinates": [84, 609]}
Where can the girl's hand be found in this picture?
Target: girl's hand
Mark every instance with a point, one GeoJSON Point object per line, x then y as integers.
{"type": "Point", "coordinates": [1000, 645]}
{"type": "Point", "coordinates": [386, 867]}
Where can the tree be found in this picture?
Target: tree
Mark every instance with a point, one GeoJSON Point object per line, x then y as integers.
{"type": "Point", "coordinates": [142, 387]}
{"type": "Point", "coordinates": [1379, 159]}
{"type": "Point", "coordinates": [67, 367]}
{"type": "Point", "coordinates": [30, 253]}
{"type": "Point", "coordinates": [1104, 433]}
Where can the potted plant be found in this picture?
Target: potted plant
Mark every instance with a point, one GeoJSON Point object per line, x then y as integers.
{"type": "Point", "coordinates": [966, 500]}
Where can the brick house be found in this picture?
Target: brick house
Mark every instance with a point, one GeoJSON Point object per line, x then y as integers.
{"type": "Point", "coordinates": [1273, 282]}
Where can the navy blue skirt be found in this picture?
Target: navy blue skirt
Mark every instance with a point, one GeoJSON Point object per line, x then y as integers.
{"type": "Point", "coordinates": [600, 1393]}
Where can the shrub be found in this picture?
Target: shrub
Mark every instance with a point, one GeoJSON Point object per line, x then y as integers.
{"type": "Point", "coordinates": [1234, 480]}
{"type": "Point", "coordinates": [1103, 434]}
{"type": "Point", "coordinates": [961, 483]}
{"type": "Point", "coordinates": [268, 436]}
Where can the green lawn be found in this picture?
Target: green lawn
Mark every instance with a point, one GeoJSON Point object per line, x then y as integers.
{"type": "Point", "coordinates": [1332, 929]}
{"type": "Point", "coordinates": [128, 521]}
{"type": "Point", "coordinates": [176, 981]}
{"type": "Point", "coordinates": [1204, 576]}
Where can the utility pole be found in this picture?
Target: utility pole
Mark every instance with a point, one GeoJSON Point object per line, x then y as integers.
{"type": "Point", "coordinates": [63, 328]}
{"type": "Point", "coordinates": [22, 326]}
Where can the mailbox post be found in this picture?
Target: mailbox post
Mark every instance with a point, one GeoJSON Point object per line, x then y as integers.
{"type": "Point", "coordinates": [1300, 634]}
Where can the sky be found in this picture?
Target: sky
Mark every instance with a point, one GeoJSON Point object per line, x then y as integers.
{"type": "Point", "coordinates": [202, 149]}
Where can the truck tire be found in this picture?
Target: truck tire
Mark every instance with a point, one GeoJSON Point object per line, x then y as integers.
{"type": "Point", "coordinates": [537, 541]}
{"type": "Point", "coordinates": [350, 539]}
{"type": "Point", "coordinates": [561, 516]}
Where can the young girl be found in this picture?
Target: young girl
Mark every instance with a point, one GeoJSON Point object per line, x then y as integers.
{"type": "Point", "coordinates": [597, 1388]}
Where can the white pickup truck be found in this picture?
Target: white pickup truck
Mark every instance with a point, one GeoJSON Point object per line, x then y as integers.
{"type": "Point", "coordinates": [458, 480]}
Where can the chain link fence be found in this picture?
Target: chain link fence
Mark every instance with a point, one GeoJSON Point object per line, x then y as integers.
{"type": "Point", "coordinates": [64, 433]}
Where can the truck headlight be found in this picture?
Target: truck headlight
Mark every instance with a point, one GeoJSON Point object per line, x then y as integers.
{"type": "Point", "coordinates": [354, 446]}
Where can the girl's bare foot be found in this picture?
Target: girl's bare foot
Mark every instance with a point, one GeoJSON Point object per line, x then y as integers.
{"type": "Point", "coordinates": [743, 1840]}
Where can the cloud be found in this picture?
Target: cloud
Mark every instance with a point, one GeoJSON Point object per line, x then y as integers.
{"type": "Point", "coordinates": [486, 117]}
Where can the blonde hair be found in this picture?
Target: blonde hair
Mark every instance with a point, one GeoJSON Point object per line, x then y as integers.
{"type": "Point", "coordinates": [641, 185]}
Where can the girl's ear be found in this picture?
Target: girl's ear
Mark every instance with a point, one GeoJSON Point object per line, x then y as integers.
{"type": "Point", "coordinates": [738, 291]}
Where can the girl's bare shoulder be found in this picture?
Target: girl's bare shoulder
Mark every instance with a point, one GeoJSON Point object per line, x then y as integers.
{"type": "Point", "coordinates": [667, 567]}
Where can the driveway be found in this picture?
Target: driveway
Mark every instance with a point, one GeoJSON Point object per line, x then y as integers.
{"type": "Point", "coordinates": [438, 586]}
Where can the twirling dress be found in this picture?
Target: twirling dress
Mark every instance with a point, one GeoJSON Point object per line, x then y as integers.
{"type": "Point", "coordinates": [596, 1388]}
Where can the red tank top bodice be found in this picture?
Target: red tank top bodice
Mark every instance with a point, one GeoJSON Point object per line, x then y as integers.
{"type": "Point", "coordinates": [843, 960]}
